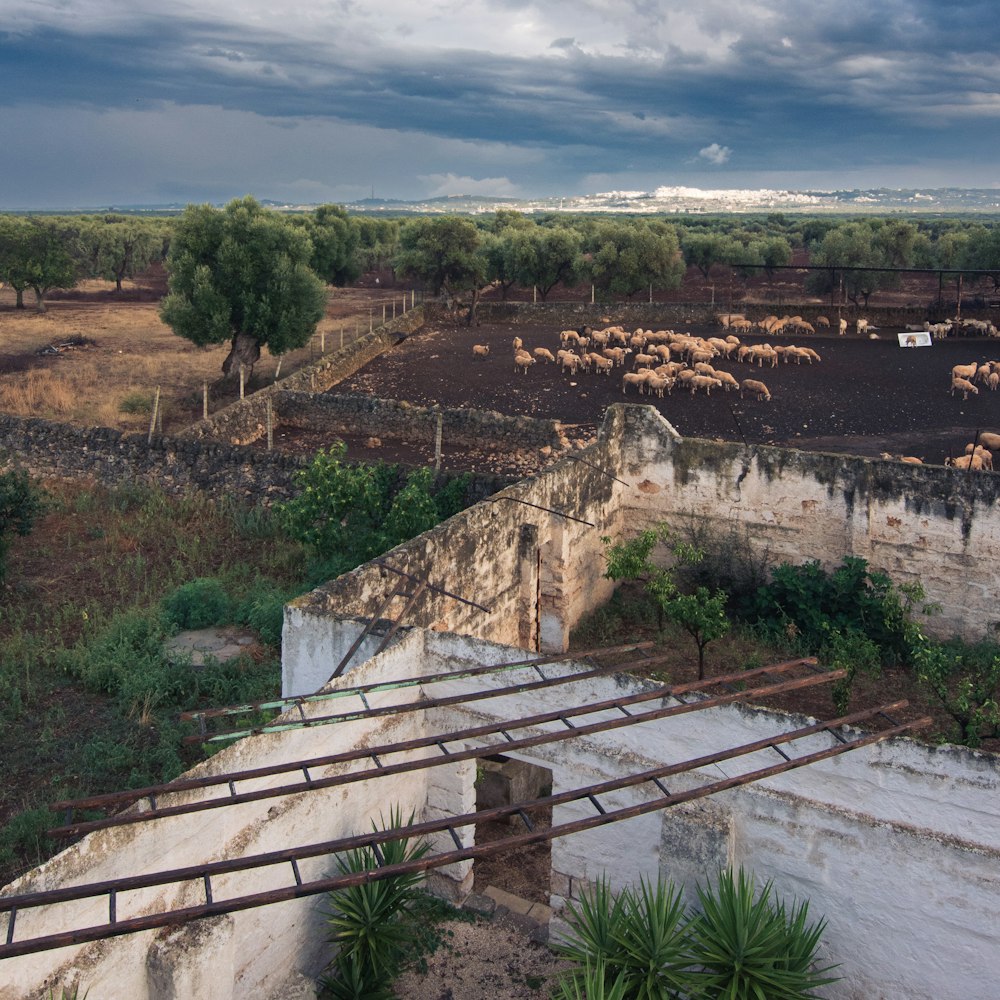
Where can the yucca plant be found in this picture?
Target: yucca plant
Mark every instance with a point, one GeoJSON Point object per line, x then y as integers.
{"type": "Point", "coordinates": [749, 947]}
{"type": "Point", "coordinates": [365, 922]}
{"type": "Point", "coordinates": [638, 938]}
{"type": "Point", "coordinates": [591, 983]}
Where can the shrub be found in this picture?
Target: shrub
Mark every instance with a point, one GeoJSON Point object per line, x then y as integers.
{"type": "Point", "coordinates": [21, 503]}
{"type": "Point", "coordinates": [740, 945]}
{"type": "Point", "coordinates": [965, 680]}
{"type": "Point", "coordinates": [637, 938]}
{"type": "Point", "coordinates": [806, 604]}
{"type": "Point", "coordinates": [137, 402]}
{"type": "Point", "coordinates": [200, 603]}
{"type": "Point", "coordinates": [366, 921]}
{"type": "Point", "coordinates": [747, 946]}
{"type": "Point", "coordinates": [701, 613]}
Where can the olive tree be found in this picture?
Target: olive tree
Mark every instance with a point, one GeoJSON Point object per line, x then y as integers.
{"type": "Point", "coordinates": [36, 254]}
{"type": "Point", "coordinates": [241, 275]}
{"type": "Point", "coordinates": [116, 247]}
{"type": "Point", "coordinates": [627, 257]}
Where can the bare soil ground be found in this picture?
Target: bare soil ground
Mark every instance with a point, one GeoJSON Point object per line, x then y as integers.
{"type": "Point", "coordinates": [865, 396]}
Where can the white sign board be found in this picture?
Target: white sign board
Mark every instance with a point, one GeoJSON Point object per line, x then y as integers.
{"type": "Point", "coordinates": [921, 338]}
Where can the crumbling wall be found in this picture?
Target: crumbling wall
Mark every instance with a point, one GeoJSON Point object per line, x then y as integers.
{"type": "Point", "coordinates": [391, 418]}
{"type": "Point", "coordinates": [932, 525]}
{"type": "Point", "coordinates": [529, 557]}
{"type": "Point", "coordinates": [246, 953]}
{"type": "Point", "coordinates": [897, 846]}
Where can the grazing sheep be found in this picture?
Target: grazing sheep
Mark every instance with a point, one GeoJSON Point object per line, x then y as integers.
{"type": "Point", "coordinates": [728, 381]}
{"type": "Point", "coordinates": [704, 368]}
{"type": "Point", "coordinates": [964, 386]}
{"type": "Point", "coordinates": [822, 321]}
{"type": "Point", "coordinates": [862, 326]}
{"type": "Point", "coordinates": [705, 382]}
{"type": "Point", "coordinates": [908, 459]}
{"type": "Point", "coordinates": [480, 350]}
{"type": "Point", "coordinates": [657, 386]}
{"type": "Point", "coordinates": [966, 462]}
{"type": "Point", "coordinates": [965, 371]}
{"type": "Point", "coordinates": [989, 440]}
{"type": "Point", "coordinates": [643, 361]}
{"type": "Point", "coordinates": [758, 388]}
{"type": "Point", "coordinates": [522, 362]}
{"type": "Point", "coordinates": [544, 354]}
{"type": "Point", "coordinates": [985, 456]}
{"type": "Point", "coordinates": [568, 361]}
{"type": "Point", "coordinates": [992, 381]}
{"type": "Point", "coordinates": [638, 379]}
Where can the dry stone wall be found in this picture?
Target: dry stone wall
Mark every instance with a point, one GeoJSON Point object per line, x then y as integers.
{"type": "Point", "coordinates": [390, 418]}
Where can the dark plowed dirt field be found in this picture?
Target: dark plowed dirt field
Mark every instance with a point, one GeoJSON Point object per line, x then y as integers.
{"type": "Point", "coordinates": [865, 397]}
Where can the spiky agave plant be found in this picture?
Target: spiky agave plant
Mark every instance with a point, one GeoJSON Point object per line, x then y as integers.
{"type": "Point", "coordinates": [747, 946]}
{"type": "Point", "coordinates": [365, 919]}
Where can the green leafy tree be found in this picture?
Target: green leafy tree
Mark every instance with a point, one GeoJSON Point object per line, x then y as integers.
{"type": "Point", "coordinates": [335, 255]}
{"type": "Point", "coordinates": [443, 253]}
{"type": "Point", "coordinates": [628, 257]}
{"type": "Point", "coordinates": [965, 680]}
{"type": "Point", "coordinates": [21, 503]}
{"type": "Point", "coordinates": [548, 257]}
{"type": "Point", "coordinates": [241, 275]}
{"type": "Point", "coordinates": [705, 250]}
{"type": "Point", "coordinates": [36, 254]}
{"type": "Point", "coordinates": [116, 247]}
{"type": "Point", "coordinates": [701, 613]}
{"type": "Point", "coordinates": [378, 242]}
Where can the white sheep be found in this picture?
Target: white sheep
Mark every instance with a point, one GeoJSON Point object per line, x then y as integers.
{"type": "Point", "coordinates": [522, 362]}
{"type": "Point", "coordinates": [480, 350]}
{"type": "Point", "coordinates": [705, 382]}
{"type": "Point", "coordinates": [544, 354]}
{"type": "Point", "coordinates": [964, 386]}
{"type": "Point", "coordinates": [760, 390]}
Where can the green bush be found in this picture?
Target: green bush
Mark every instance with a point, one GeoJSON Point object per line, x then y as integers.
{"type": "Point", "coordinates": [200, 603]}
{"type": "Point", "coordinates": [137, 402]}
{"type": "Point", "coordinates": [639, 938]}
{"type": "Point", "coordinates": [24, 838]}
{"type": "Point", "coordinates": [806, 604]}
{"type": "Point", "coordinates": [739, 944]}
{"type": "Point", "coordinates": [747, 946]}
{"type": "Point", "coordinates": [965, 680]}
{"type": "Point", "coordinates": [21, 503]}
{"type": "Point", "coordinates": [366, 922]}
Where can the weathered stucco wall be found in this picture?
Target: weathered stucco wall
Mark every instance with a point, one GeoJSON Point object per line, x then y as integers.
{"type": "Point", "coordinates": [244, 954]}
{"type": "Point", "coordinates": [898, 845]}
{"type": "Point", "coordinates": [535, 571]}
{"type": "Point", "coordinates": [931, 525]}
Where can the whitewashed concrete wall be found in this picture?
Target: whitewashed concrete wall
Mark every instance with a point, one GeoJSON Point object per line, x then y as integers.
{"type": "Point", "coordinates": [931, 525]}
{"type": "Point", "coordinates": [239, 955]}
{"type": "Point", "coordinates": [898, 846]}
{"type": "Point", "coordinates": [535, 571]}
{"type": "Point", "coordinates": [540, 574]}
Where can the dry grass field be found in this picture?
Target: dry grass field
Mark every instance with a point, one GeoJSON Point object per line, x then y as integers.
{"type": "Point", "coordinates": [124, 352]}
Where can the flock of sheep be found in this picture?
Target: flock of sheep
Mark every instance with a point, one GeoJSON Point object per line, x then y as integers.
{"type": "Point", "coordinates": [965, 377]}
{"type": "Point", "coordinates": [661, 360]}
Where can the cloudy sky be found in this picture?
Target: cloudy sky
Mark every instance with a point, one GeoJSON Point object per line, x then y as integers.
{"type": "Point", "coordinates": [326, 100]}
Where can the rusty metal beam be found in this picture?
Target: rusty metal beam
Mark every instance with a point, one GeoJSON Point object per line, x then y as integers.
{"type": "Point", "coordinates": [383, 770]}
{"type": "Point", "coordinates": [283, 704]}
{"type": "Point", "coordinates": [187, 784]}
{"type": "Point", "coordinates": [302, 889]}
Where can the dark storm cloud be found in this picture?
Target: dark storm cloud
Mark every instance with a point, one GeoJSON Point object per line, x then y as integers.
{"type": "Point", "coordinates": [780, 86]}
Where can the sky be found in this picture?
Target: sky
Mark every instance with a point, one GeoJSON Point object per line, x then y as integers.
{"type": "Point", "coordinates": [103, 103]}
